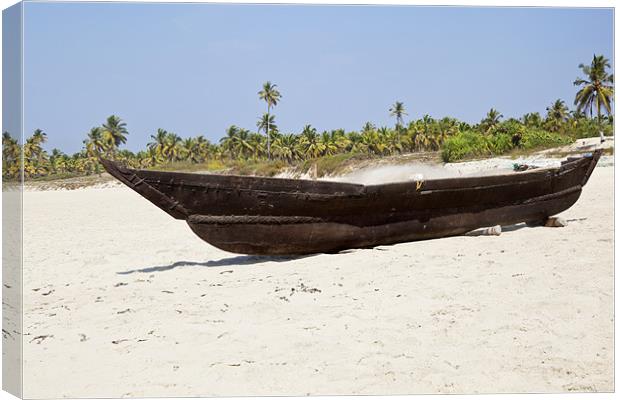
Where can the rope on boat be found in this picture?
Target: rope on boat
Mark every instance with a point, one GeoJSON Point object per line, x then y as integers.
{"type": "Point", "coordinates": [250, 219]}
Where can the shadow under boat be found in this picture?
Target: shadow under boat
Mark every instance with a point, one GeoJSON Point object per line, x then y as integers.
{"type": "Point", "coordinates": [251, 260]}
{"type": "Point", "coordinates": [223, 262]}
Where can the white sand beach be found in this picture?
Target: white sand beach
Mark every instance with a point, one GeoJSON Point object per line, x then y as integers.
{"type": "Point", "coordinates": [122, 300]}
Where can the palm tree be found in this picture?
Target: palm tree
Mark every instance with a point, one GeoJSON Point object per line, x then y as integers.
{"type": "Point", "coordinates": [310, 143]}
{"type": "Point", "coordinates": [271, 95]}
{"type": "Point", "coordinates": [532, 120]}
{"type": "Point", "coordinates": [394, 141]}
{"type": "Point", "coordinates": [446, 127]}
{"type": "Point", "coordinates": [56, 164]}
{"type": "Point", "coordinates": [398, 110]}
{"type": "Point", "coordinates": [173, 147]}
{"type": "Point", "coordinates": [228, 142]}
{"type": "Point", "coordinates": [38, 137]}
{"type": "Point", "coordinates": [159, 145]}
{"type": "Point", "coordinates": [11, 154]}
{"type": "Point", "coordinates": [114, 132]}
{"type": "Point", "coordinates": [422, 140]}
{"type": "Point", "coordinates": [35, 158]}
{"type": "Point", "coordinates": [368, 126]}
{"type": "Point", "coordinates": [255, 143]}
{"type": "Point", "coordinates": [203, 146]}
{"type": "Point", "coordinates": [191, 150]}
{"type": "Point", "coordinates": [286, 147]}
{"type": "Point", "coordinates": [340, 139]}
{"type": "Point", "coordinates": [463, 126]}
{"type": "Point", "coordinates": [491, 120]}
{"type": "Point", "coordinates": [328, 144]}
{"type": "Point", "coordinates": [557, 114]}
{"type": "Point", "coordinates": [242, 143]}
{"type": "Point", "coordinates": [267, 123]}
{"type": "Point", "coordinates": [367, 141]}
{"type": "Point", "coordinates": [94, 142]}
{"type": "Point", "coordinates": [596, 90]}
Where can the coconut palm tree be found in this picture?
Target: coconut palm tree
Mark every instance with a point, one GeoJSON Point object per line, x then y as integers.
{"type": "Point", "coordinates": [464, 126]}
{"type": "Point", "coordinates": [35, 158]}
{"type": "Point", "coordinates": [191, 150]}
{"type": "Point", "coordinates": [159, 145]}
{"type": "Point", "coordinates": [310, 142]}
{"type": "Point", "coordinates": [228, 143]}
{"type": "Point", "coordinates": [144, 159]}
{"type": "Point", "coordinates": [446, 127]}
{"type": "Point", "coordinates": [173, 147]}
{"type": "Point", "coordinates": [242, 143]}
{"type": "Point", "coordinates": [126, 157]}
{"type": "Point", "coordinates": [94, 142]}
{"type": "Point", "coordinates": [267, 123]}
{"type": "Point", "coordinates": [56, 164]}
{"type": "Point", "coordinates": [256, 145]}
{"type": "Point", "coordinates": [328, 144]}
{"type": "Point", "coordinates": [203, 146]}
{"type": "Point", "coordinates": [271, 96]}
{"type": "Point", "coordinates": [532, 120]}
{"type": "Point", "coordinates": [420, 134]}
{"type": "Point", "coordinates": [398, 110]}
{"type": "Point", "coordinates": [114, 133]}
{"type": "Point", "coordinates": [596, 89]}
{"type": "Point", "coordinates": [341, 140]}
{"type": "Point", "coordinates": [491, 120]}
{"type": "Point", "coordinates": [286, 147]}
{"type": "Point", "coordinates": [8, 145]}
{"type": "Point", "coordinates": [557, 114]}
{"type": "Point", "coordinates": [368, 126]}
{"type": "Point", "coordinates": [11, 154]}
{"type": "Point", "coordinates": [394, 141]}
{"type": "Point", "coordinates": [39, 137]}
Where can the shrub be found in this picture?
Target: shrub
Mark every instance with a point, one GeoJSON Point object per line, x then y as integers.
{"type": "Point", "coordinates": [503, 139]}
{"type": "Point", "coordinates": [502, 143]}
{"type": "Point", "coordinates": [331, 165]}
{"type": "Point", "coordinates": [257, 167]}
{"type": "Point", "coordinates": [538, 139]}
{"type": "Point", "coordinates": [586, 127]}
{"type": "Point", "coordinates": [466, 145]}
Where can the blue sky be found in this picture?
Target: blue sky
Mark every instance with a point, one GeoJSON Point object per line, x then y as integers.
{"type": "Point", "coordinates": [196, 68]}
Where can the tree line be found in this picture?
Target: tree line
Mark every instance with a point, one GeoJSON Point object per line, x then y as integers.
{"type": "Point", "coordinates": [455, 139]}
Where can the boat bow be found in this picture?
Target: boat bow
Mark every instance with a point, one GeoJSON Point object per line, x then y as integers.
{"type": "Point", "coordinates": [129, 178]}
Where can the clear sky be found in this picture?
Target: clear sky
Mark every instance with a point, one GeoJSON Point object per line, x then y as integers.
{"type": "Point", "coordinates": [196, 68]}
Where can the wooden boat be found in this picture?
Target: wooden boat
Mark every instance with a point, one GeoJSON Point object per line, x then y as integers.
{"type": "Point", "coordinates": [272, 216]}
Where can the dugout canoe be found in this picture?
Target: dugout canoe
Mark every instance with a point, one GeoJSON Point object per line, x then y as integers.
{"type": "Point", "coordinates": [274, 216]}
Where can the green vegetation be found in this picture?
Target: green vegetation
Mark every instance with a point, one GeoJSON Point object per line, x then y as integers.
{"type": "Point", "coordinates": [503, 138]}
{"type": "Point", "coordinates": [330, 165]}
{"type": "Point", "coordinates": [242, 151]}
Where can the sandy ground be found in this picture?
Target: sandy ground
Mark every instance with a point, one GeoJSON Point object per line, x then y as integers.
{"type": "Point", "coordinates": [122, 300]}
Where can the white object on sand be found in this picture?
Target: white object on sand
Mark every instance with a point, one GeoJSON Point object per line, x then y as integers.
{"type": "Point", "coordinates": [556, 222]}
{"type": "Point", "coordinates": [493, 231]}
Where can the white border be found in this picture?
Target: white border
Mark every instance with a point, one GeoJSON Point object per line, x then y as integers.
{"type": "Point", "coordinates": [485, 3]}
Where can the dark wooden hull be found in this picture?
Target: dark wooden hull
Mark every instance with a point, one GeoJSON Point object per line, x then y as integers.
{"type": "Point", "coordinates": [269, 216]}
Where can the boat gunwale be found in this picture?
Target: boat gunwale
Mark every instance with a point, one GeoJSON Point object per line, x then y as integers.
{"type": "Point", "coordinates": [269, 186]}
{"type": "Point", "coordinates": [441, 184]}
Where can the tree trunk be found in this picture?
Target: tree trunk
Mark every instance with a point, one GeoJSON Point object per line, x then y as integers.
{"type": "Point", "coordinates": [600, 128]}
{"type": "Point", "coordinates": [267, 132]}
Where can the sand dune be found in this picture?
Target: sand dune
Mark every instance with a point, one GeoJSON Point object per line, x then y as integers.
{"type": "Point", "coordinates": [122, 300]}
